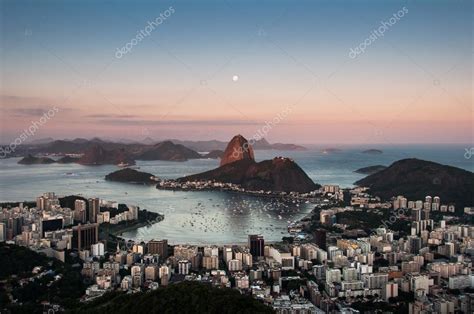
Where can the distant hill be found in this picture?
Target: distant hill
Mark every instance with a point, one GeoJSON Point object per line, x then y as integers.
{"type": "Point", "coordinates": [130, 176]}
{"type": "Point", "coordinates": [100, 152]}
{"type": "Point", "coordinates": [41, 141]}
{"type": "Point", "coordinates": [372, 151]}
{"type": "Point", "coordinates": [415, 179]}
{"type": "Point", "coordinates": [214, 154]}
{"type": "Point", "coordinates": [97, 155]}
{"type": "Point", "coordinates": [148, 149]}
{"type": "Point", "coordinates": [261, 144]}
{"type": "Point", "coordinates": [185, 297]}
{"type": "Point", "coordinates": [371, 169]}
{"type": "Point", "coordinates": [67, 160]}
{"type": "Point", "coordinates": [32, 160]}
{"type": "Point", "coordinates": [167, 150]}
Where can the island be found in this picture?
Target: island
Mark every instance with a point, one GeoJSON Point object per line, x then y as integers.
{"type": "Point", "coordinates": [67, 160]}
{"type": "Point", "coordinates": [372, 151]}
{"type": "Point", "coordinates": [131, 176]}
{"type": "Point", "coordinates": [33, 160]}
{"type": "Point", "coordinates": [370, 169]}
{"type": "Point", "coordinates": [263, 144]}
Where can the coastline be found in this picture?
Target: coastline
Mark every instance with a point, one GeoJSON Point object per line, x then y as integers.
{"type": "Point", "coordinates": [118, 230]}
{"type": "Point", "coordinates": [291, 196]}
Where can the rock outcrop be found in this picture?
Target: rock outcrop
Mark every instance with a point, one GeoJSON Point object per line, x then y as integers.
{"type": "Point", "coordinates": [237, 149]}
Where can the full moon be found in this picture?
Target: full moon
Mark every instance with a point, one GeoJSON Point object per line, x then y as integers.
{"type": "Point", "coordinates": [235, 78]}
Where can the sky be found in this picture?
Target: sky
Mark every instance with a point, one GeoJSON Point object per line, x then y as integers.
{"type": "Point", "coordinates": [301, 72]}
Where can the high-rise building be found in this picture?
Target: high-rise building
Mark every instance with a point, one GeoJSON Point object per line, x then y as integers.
{"type": "Point", "coordinates": [375, 281]}
{"type": "Point", "coordinates": [320, 238]}
{"type": "Point", "coordinates": [227, 254]}
{"type": "Point", "coordinates": [151, 272]}
{"type": "Point", "coordinates": [93, 209]}
{"type": "Point", "coordinates": [3, 232]}
{"type": "Point", "coordinates": [416, 214]}
{"type": "Point", "coordinates": [183, 267]}
{"type": "Point", "coordinates": [15, 226]}
{"type": "Point", "coordinates": [234, 265]}
{"type": "Point", "coordinates": [40, 202]}
{"type": "Point", "coordinates": [159, 247]}
{"type": "Point", "coordinates": [80, 211]}
{"type": "Point", "coordinates": [415, 244]}
{"type": "Point", "coordinates": [210, 262]}
{"type": "Point", "coordinates": [256, 245]}
{"type": "Point", "coordinates": [425, 215]}
{"type": "Point", "coordinates": [98, 249]}
{"type": "Point", "coordinates": [400, 202]}
{"type": "Point", "coordinates": [83, 236]}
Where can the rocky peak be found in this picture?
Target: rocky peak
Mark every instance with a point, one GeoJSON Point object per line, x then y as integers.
{"type": "Point", "coordinates": [237, 149]}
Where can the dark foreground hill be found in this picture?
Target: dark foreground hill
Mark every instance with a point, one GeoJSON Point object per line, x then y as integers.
{"type": "Point", "coordinates": [415, 179]}
{"type": "Point", "coordinates": [186, 297]}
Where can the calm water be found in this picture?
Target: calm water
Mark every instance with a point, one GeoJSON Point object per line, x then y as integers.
{"type": "Point", "coordinates": [210, 217]}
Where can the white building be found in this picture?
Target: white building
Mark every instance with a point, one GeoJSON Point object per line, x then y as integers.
{"type": "Point", "coordinates": [98, 249]}
{"type": "Point", "coordinates": [183, 267]}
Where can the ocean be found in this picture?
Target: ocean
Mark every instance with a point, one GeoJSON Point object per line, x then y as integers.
{"type": "Point", "coordinates": [213, 217]}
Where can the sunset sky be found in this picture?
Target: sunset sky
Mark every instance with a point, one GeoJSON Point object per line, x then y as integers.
{"type": "Point", "coordinates": [213, 69]}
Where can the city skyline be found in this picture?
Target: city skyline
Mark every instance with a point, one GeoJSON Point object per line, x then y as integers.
{"type": "Point", "coordinates": [213, 70]}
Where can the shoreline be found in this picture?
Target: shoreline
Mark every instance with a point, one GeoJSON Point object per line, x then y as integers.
{"type": "Point", "coordinates": [286, 197]}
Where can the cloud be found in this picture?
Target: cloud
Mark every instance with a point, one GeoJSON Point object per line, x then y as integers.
{"type": "Point", "coordinates": [179, 122]}
{"type": "Point", "coordinates": [110, 116]}
{"type": "Point", "coordinates": [34, 111]}
{"type": "Point", "coordinates": [29, 112]}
